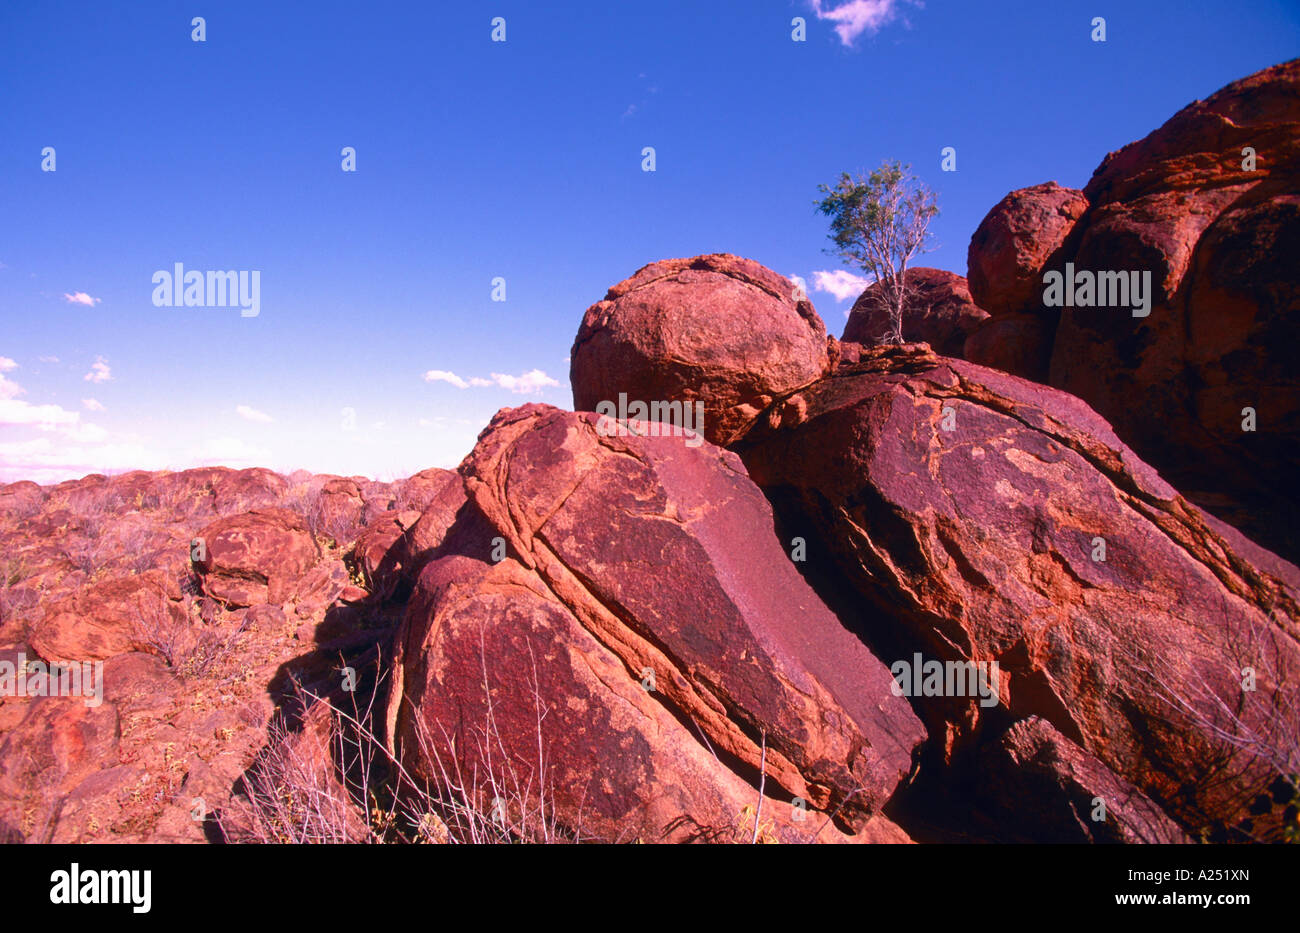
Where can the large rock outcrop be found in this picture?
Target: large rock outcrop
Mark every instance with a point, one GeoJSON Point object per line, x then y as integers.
{"type": "Point", "coordinates": [1202, 386]}
{"type": "Point", "coordinates": [620, 607]}
{"type": "Point", "coordinates": [187, 655]}
{"type": "Point", "coordinates": [983, 518]}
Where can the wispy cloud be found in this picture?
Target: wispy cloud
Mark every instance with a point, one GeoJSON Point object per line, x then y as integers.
{"type": "Point", "coordinates": [49, 460]}
{"type": "Point", "coordinates": [99, 371]}
{"type": "Point", "coordinates": [7, 365]}
{"type": "Point", "coordinates": [60, 431]}
{"type": "Point", "coordinates": [442, 375]}
{"type": "Point", "coordinates": [81, 298]}
{"type": "Point", "coordinates": [47, 417]}
{"type": "Point", "coordinates": [252, 414]}
{"type": "Point", "coordinates": [841, 283]}
{"type": "Point", "coordinates": [48, 359]}
{"type": "Point", "coordinates": [92, 404]}
{"type": "Point", "coordinates": [9, 388]}
{"type": "Point", "coordinates": [855, 17]}
{"type": "Point", "coordinates": [647, 90]}
{"type": "Point", "coordinates": [532, 381]}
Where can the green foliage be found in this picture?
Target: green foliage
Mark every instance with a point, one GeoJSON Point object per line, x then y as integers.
{"type": "Point", "coordinates": [874, 219]}
{"type": "Point", "coordinates": [879, 223]}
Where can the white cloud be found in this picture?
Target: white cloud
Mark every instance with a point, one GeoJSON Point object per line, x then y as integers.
{"type": "Point", "coordinates": [45, 417]}
{"type": "Point", "coordinates": [854, 17]}
{"type": "Point", "coordinates": [99, 371]}
{"type": "Point", "coordinates": [532, 381]}
{"type": "Point", "coordinates": [49, 419]}
{"type": "Point", "coordinates": [81, 298]}
{"type": "Point", "coordinates": [84, 433]}
{"type": "Point", "coordinates": [841, 283]}
{"type": "Point", "coordinates": [252, 414]}
{"type": "Point", "coordinates": [7, 365]}
{"type": "Point", "coordinates": [47, 460]}
{"type": "Point", "coordinates": [92, 404]}
{"type": "Point", "coordinates": [48, 359]}
{"type": "Point", "coordinates": [441, 375]}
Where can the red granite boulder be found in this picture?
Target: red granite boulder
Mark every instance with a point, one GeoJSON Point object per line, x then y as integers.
{"type": "Point", "coordinates": [718, 329]}
{"type": "Point", "coordinates": [622, 605]}
{"type": "Point", "coordinates": [1199, 379]}
{"type": "Point", "coordinates": [983, 518]}
{"type": "Point", "coordinates": [1016, 241]}
{"type": "Point", "coordinates": [255, 557]}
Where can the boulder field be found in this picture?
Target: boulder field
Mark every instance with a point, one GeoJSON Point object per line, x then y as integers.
{"type": "Point", "coordinates": [1023, 578]}
{"type": "Point", "coordinates": [954, 515]}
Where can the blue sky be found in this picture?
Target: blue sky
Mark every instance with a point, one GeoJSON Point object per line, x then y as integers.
{"type": "Point", "coordinates": [478, 159]}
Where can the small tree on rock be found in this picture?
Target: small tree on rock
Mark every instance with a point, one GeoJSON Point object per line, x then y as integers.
{"type": "Point", "coordinates": [879, 223]}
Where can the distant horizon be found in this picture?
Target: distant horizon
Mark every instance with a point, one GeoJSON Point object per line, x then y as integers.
{"type": "Point", "coordinates": [499, 190]}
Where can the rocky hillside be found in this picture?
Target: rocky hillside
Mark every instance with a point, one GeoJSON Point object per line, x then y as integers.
{"type": "Point", "coordinates": [1008, 582]}
{"type": "Point", "coordinates": [1209, 204]}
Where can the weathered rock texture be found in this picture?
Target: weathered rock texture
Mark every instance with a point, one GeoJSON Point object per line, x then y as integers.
{"type": "Point", "coordinates": [718, 329]}
{"type": "Point", "coordinates": [1058, 792]}
{"type": "Point", "coordinates": [1021, 237]}
{"type": "Point", "coordinates": [939, 312]}
{"type": "Point", "coordinates": [199, 657]}
{"type": "Point", "coordinates": [1219, 241]}
{"type": "Point", "coordinates": [968, 507]}
{"type": "Point", "coordinates": [255, 557]}
{"type": "Point", "coordinates": [642, 600]}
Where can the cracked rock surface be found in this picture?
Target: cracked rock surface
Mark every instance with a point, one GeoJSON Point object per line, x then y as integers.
{"type": "Point", "coordinates": [642, 586]}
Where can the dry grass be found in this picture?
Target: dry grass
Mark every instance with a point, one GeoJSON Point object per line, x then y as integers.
{"type": "Point", "coordinates": [21, 511]}
{"type": "Point", "coordinates": [334, 781]}
{"type": "Point", "coordinates": [17, 601]}
{"type": "Point", "coordinates": [330, 528]}
{"type": "Point", "coordinates": [191, 648]}
{"type": "Point", "coordinates": [1258, 730]}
